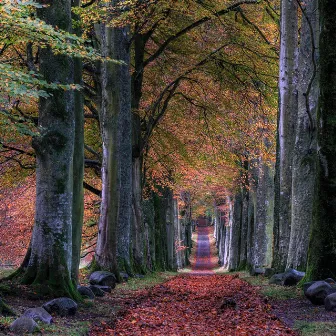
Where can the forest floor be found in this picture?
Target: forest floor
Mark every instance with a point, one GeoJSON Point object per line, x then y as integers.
{"type": "Point", "coordinates": [200, 300]}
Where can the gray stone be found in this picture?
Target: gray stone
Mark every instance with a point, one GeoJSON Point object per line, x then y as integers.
{"type": "Point", "coordinates": [276, 279]}
{"type": "Point", "coordinates": [23, 325]}
{"type": "Point", "coordinates": [103, 278]}
{"type": "Point", "coordinates": [330, 281]}
{"type": "Point", "coordinates": [292, 277]}
{"type": "Point", "coordinates": [86, 292]}
{"type": "Point", "coordinates": [38, 314]}
{"type": "Point", "coordinates": [330, 302]}
{"type": "Point", "coordinates": [124, 276]}
{"type": "Point", "coordinates": [62, 306]}
{"type": "Point", "coordinates": [139, 276]}
{"type": "Point", "coordinates": [306, 285]}
{"type": "Point", "coordinates": [106, 289]}
{"type": "Point", "coordinates": [317, 292]}
{"type": "Point", "coordinates": [97, 291]}
{"type": "Point", "coordinates": [256, 270]}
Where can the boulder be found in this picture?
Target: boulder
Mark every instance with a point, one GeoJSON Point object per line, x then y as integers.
{"type": "Point", "coordinates": [38, 314]}
{"type": "Point", "coordinates": [330, 302]}
{"type": "Point", "coordinates": [103, 278]}
{"type": "Point", "coordinates": [139, 276]}
{"type": "Point", "coordinates": [318, 291]}
{"type": "Point", "coordinates": [269, 272]}
{"type": "Point", "coordinates": [276, 279]}
{"type": "Point", "coordinates": [330, 281]}
{"type": "Point", "coordinates": [124, 276]}
{"type": "Point", "coordinates": [23, 325]}
{"type": "Point", "coordinates": [256, 270]}
{"type": "Point", "coordinates": [106, 289]}
{"type": "Point", "coordinates": [306, 285]}
{"type": "Point", "coordinates": [97, 291]}
{"type": "Point", "coordinates": [62, 306]}
{"type": "Point", "coordinates": [86, 292]}
{"type": "Point", "coordinates": [292, 277]}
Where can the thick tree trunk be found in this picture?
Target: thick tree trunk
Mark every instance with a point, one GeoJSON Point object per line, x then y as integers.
{"type": "Point", "coordinates": [235, 233]}
{"type": "Point", "coordinates": [137, 157]}
{"type": "Point", "coordinates": [78, 167]}
{"type": "Point", "coordinates": [244, 230]}
{"type": "Point", "coordinates": [304, 163]}
{"type": "Point", "coordinates": [51, 246]}
{"type": "Point", "coordinates": [322, 252]}
{"type": "Point", "coordinates": [286, 128]}
{"type": "Point", "coordinates": [113, 241]}
{"type": "Point", "coordinates": [263, 219]}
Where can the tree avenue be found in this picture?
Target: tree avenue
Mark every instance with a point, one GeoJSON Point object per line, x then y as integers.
{"type": "Point", "coordinates": [167, 111]}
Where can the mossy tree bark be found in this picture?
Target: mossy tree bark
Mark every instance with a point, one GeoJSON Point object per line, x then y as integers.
{"type": "Point", "coordinates": [51, 246]}
{"type": "Point", "coordinates": [113, 242]}
{"type": "Point", "coordinates": [304, 162]}
{"type": "Point", "coordinates": [78, 165]}
{"type": "Point", "coordinates": [322, 253]}
{"type": "Point", "coordinates": [286, 129]}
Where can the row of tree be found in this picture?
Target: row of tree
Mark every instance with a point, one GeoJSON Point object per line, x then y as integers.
{"type": "Point", "coordinates": [288, 222]}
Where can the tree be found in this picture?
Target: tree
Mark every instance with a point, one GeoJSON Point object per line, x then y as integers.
{"type": "Point", "coordinates": [286, 131]}
{"type": "Point", "coordinates": [51, 246]}
{"type": "Point", "coordinates": [321, 255]}
{"type": "Point", "coordinates": [113, 242]}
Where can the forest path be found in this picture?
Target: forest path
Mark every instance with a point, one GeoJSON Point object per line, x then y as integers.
{"type": "Point", "coordinates": [194, 304]}
{"type": "Point", "coordinates": [204, 265]}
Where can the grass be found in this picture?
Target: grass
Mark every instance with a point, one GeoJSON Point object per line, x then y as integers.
{"type": "Point", "coordinates": [70, 328]}
{"type": "Point", "coordinates": [272, 291]}
{"type": "Point", "coordinates": [148, 281]}
{"type": "Point", "coordinates": [316, 328]}
{"type": "Point", "coordinates": [5, 272]}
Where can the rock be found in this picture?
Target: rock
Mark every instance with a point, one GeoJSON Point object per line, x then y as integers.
{"type": "Point", "coordinates": [292, 277]}
{"type": "Point", "coordinates": [317, 292]}
{"type": "Point", "coordinates": [269, 272]}
{"type": "Point", "coordinates": [276, 279]}
{"type": "Point", "coordinates": [5, 310]}
{"type": "Point", "coordinates": [106, 289]}
{"type": "Point", "coordinates": [256, 270]}
{"type": "Point", "coordinates": [330, 281]}
{"type": "Point", "coordinates": [139, 276]}
{"type": "Point", "coordinates": [306, 285]}
{"type": "Point", "coordinates": [23, 325]}
{"type": "Point", "coordinates": [124, 276]}
{"type": "Point", "coordinates": [103, 278]}
{"type": "Point", "coordinates": [86, 292]}
{"type": "Point", "coordinates": [38, 314]}
{"type": "Point", "coordinates": [330, 302]}
{"type": "Point", "coordinates": [97, 291]}
{"type": "Point", "coordinates": [62, 306]}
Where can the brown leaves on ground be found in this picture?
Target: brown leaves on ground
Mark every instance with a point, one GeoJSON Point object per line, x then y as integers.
{"type": "Point", "coordinates": [200, 305]}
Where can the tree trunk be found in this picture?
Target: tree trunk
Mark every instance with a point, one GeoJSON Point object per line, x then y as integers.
{"type": "Point", "coordinates": [304, 163]}
{"type": "Point", "coordinates": [322, 252]}
{"type": "Point", "coordinates": [51, 246]}
{"type": "Point", "coordinates": [113, 241]}
{"type": "Point", "coordinates": [235, 233]}
{"type": "Point", "coordinates": [78, 166]}
{"type": "Point", "coordinates": [244, 230]}
{"type": "Point", "coordinates": [286, 128]}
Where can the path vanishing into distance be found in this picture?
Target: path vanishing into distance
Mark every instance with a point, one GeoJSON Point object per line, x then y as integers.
{"type": "Point", "coordinates": [201, 303]}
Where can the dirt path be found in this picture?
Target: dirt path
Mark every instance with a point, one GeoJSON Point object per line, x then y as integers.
{"type": "Point", "coordinates": [194, 304]}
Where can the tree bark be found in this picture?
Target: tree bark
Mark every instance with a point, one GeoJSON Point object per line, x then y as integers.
{"type": "Point", "coordinates": [322, 253]}
{"type": "Point", "coordinates": [78, 165]}
{"type": "Point", "coordinates": [286, 128]}
{"type": "Point", "coordinates": [113, 243]}
{"type": "Point", "coordinates": [304, 163]}
{"type": "Point", "coordinates": [51, 246]}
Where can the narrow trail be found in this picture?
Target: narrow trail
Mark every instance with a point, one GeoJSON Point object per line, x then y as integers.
{"type": "Point", "coordinates": [201, 303]}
